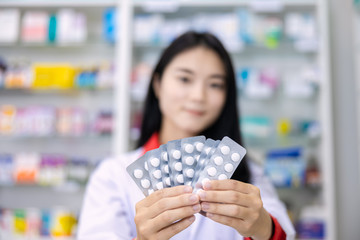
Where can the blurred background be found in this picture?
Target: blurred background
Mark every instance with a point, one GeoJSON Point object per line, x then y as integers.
{"type": "Point", "coordinates": [74, 74]}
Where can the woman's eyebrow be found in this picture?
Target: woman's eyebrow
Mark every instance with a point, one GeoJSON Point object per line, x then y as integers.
{"type": "Point", "coordinates": [212, 76]}
{"type": "Point", "coordinates": [185, 70]}
{"type": "Point", "coordinates": [217, 76]}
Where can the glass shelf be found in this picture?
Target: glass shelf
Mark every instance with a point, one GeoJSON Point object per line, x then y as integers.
{"type": "Point", "coordinates": [58, 3]}
{"type": "Point", "coordinates": [87, 45]}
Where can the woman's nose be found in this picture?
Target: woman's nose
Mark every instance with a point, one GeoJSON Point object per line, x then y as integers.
{"type": "Point", "coordinates": [198, 92]}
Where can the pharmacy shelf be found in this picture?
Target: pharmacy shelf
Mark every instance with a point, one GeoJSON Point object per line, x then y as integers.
{"type": "Point", "coordinates": [272, 5]}
{"type": "Point", "coordinates": [26, 92]}
{"type": "Point", "coordinates": [86, 45]}
{"type": "Point", "coordinates": [14, 237]}
{"type": "Point", "coordinates": [285, 55]}
{"type": "Point", "coordinates": [123, 54]}
{"type": "Point", "coordinates": [285, 47]}
{"type": "Point", "coordinates": [58, 3]}
{"type": "Point", "coordinates": [66, 188]}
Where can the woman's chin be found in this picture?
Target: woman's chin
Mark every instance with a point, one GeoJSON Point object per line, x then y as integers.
{"type": "Point", "coordinates": [193, 131]}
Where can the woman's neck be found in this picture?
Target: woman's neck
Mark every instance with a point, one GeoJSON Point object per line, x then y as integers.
{"type": "Point", "coordinates": [168, 133]}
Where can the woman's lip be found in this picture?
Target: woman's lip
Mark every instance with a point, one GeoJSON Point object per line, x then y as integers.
{"type": "Point", "coordinates": [194, 112]}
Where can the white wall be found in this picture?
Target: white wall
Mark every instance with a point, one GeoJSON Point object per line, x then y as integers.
{"type": "Point", "coordinates": [345, 119]}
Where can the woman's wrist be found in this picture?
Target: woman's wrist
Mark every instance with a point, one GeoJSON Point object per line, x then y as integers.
{"type": "Point", "coordinates": [265, 227]}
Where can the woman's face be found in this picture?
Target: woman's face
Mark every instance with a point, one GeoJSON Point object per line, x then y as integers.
{"type": "Point", "coordinates": [192, 91]}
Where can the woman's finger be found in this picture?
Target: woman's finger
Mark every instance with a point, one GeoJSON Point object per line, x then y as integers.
{"type": "Point", "coordinates": [230, 210]}
{"type": "Point", "coordinates": [163, 193]}
{"type": "Point", "coordinates": [229, 184]}
{"type": "Point", "coordinates": [169, 217]}
{"type": "Point", "coordinates": [175, 228]}
{"type": "Point", "coordinates": [172, 203]}
{"type": "Point", "coordinates": [230, 197]}
{"type": "Point", "coordinates": [231, 222]}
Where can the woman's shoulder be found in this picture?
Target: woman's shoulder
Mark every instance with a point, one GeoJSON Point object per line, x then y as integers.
{"type": "Point", "coordinates": [116, 164]}
{"type": "Point", "coordinates": [256, 169]}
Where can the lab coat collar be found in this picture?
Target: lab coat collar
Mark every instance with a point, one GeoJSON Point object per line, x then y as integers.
{"type": "Point", "coordinates": [152, 143]}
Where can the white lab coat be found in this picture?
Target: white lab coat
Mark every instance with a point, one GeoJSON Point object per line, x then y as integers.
{"type": "Point", "coordinates": [109, 206]}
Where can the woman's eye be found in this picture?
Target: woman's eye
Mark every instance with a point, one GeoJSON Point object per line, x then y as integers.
{"type": "Point", "coordinates": [217, 85]}
{"type": "Point", "coordinates": [184, 79]}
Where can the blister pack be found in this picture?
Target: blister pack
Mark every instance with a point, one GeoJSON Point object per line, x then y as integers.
{"type": "Point", "coordinates": [154, 166]}
{"type": "Point", "coordinates": [222, 163]}
{"type": "Point", "coordinates": [190, 152]}
{"type": "Point", "coordinates": [190, 161]}
{"type": "Point", "coordinates": [138, 170]}
{"type": "Point", "coordinates": [209, 147]}
{"type": "Point", "coordinates": [164, 165]}
{"type": "Point", "coordinates": [175, 164]}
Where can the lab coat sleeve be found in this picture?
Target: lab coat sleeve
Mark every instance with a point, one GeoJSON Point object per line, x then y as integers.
{"type": "Point", "coordinates": [104, 214]}
{"type": "Point", "coordinates": [271, 202]}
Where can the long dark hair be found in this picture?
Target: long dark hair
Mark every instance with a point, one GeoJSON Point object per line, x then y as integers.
{"type": "Point", "coordinates": [228, 122]}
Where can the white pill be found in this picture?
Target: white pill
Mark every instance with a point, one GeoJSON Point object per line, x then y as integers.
{"type": "Point", "coordinates": [165, 156]}
{"type": "Point", "coordinates": [197, 156]}
{"type": "Point", "coordinates": [225, 150]}
{"type": "Point", "coordinates": [207, 150]}
{"type": "Point", "coordinates": [150, 191]}
{"type": "Point", "coordinates": [155, 162]}
{"type": "Point", "coordinates": [159, 185]}
{"type": "Point", "coordinates": [190, 173]}
{"type": "Point", "coordinates": [235, 157]}
{"type": "Point", "coordinates": [157, 174]}
{"type": "Point", "coordinates": [167, 181]}
{"type": "Point", "coordinates": [204, 181]}
{"type": "Point", "coordinates": [146, 166]}
{"type": "Point", "coordinates": [145, 183]}
{"type": "Point", "coordinates": [199, 146]}
{"type": "Point", "coordinates": [222, 177]}
{"type": "Point", "coordinates": [218, 160]}
{"type": "Point", "coordinates": [189, 161]}
{"type": "Point", "coordinates": [229, 167]}
{"type": "Point", "coordinates": [180, 178]}
{"type": "Point", "coordinates": [176, 154]}
{"type": "Point", "coordinates": [211, 171]}
{"type": "Point", "coordinates": [166, 169]}
{"type": "Point", "coordinates": [138, 173]}
{"type": "Point", "coordinates": [189, 148]}
{"type": "Point", "coordinates": [178, 166]}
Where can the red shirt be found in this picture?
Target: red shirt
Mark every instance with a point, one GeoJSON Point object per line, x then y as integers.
{"type": "Point", "coordinates": [278, 232]}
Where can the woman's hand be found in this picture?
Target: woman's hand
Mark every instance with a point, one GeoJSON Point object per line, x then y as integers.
{"type": "Point", "coordinates": [237, 205]}
{"type": "Point", "coordinates": [166, 212]}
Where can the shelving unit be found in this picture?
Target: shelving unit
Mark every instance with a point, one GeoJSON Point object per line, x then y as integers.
{"type": "Point", "coordinates": [92, 147]}
{"type": "Point", "coordinates": [286, 56]}
{"type": "Point", "coordinates": [356, 47]}
{"type": "Point", "coordinates": [127, 54]}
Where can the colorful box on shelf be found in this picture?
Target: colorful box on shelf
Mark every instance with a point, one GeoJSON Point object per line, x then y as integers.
{"type": "Point", "coordinates": [110, 25]}
{"type": "Point", "coordinates": [33, 223]}
{"type": "Point", "coordinates": [7, 119]}
{"type": "Point", "coordinates": [311, 224]}
{"type": "Point", "coordinates": [59, 76]}
{"type": "Point", "coordinates": [256, 127]}
{"type": "Point", "coordinates": [286, 167]}
{"type": "Point", "coordinates": [9, 25]}
{"type": "Point", "coordinates": [26, 168]}
{"type": "Point", "coordinates": [43, 169]}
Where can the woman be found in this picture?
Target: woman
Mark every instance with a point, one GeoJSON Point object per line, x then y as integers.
{"type": "Point", "coordinates": [192, 92]}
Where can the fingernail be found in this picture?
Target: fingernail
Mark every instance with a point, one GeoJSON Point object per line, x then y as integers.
{"type": "Point", "coordinates": [209, 215]}
{"type": "Point", "coordinates": [192, 218]}
{"type": "Point", "coordinates": [205, 206]}
{"type": "Point", "coordinates": [207, 185]}
{"type": "Point", "coordinates": [193, 198]}
{"type": "Point", "coordinates": [188, 189]}
{"type": "Point", "coordinates": [202, 194]}
{"type": "Point", "coordinates": [196, 207]}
